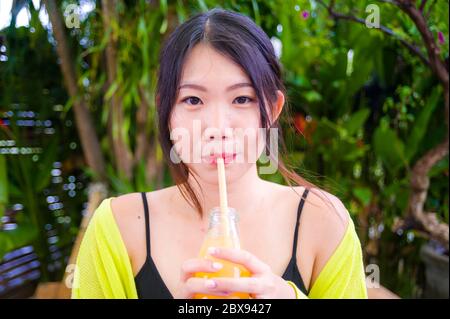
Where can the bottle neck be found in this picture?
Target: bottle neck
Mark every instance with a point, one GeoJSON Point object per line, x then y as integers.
{"type": "Point", "coordinates": [223, 224]}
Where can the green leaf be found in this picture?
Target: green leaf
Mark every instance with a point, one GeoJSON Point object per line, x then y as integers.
{"type": "Point", "coordinates": [420, 125]}
{"type": "Point", "coordinates": [163, 27]}
{"type": "Point", "coordinates": [286, 34]}
{"type": "Point", "coordinates": [111, 90]}
{"type": "Point", "coordinates": [3, 181]}
{"type": "Point", "coordinates": [141, 183]}
{"type": "Point", "coordinates": [68, 105]}
{"type": "Point", "coordinates": [363, 194]}
{"type": "Point", "coordinates": [45, 163]}
{"type": "Point", "coordinates": [313, 96]}
{"type": "Point", "coordinates": [202, 5]}
{"type": "Point", "coordinates": [164, 11]}
{"type": "Point", "coordinates": [119, 186]}
{"type": "Point", "coordinates": [356, 121]}
{"type": "Point", "coordinates": [439, 168]}
{"type": "Point", "coordinates": [14, 190]}
{"type": "Point", "coordinates": [389, 148]}
{"type": "Point", "coordinates": [163, 6]}
{"type": "Point", "coordinates": [256, 11]}
{"type": "Point", "coordinates": [181, 12]}
{"type": "Point", "coordinates": [3, 185]}
{"type": "Point", "coordinates": [14, 239]}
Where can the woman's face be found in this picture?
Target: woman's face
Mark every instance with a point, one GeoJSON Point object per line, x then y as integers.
{"type": "Point", "coordinates": [216, 114]}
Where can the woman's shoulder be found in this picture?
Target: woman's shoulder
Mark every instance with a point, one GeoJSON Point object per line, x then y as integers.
{"type": "Point", "coordinates": [324, 216]}
{"type": "Point", "coordinates": [128, 213]}
{"type": "Point", "coordinates": [327, 220]}
{"type": "Point", "coordinates": [320, 206]}
{"type": "Point", "coordinates": [331, 221]}
{"type": "Point", "coordinates": [326, 210]}
{"type": "Point", "coordinates": [130, 206]}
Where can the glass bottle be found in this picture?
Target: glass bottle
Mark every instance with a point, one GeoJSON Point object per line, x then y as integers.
{"type": "Point", "coordinates": [222, 232]}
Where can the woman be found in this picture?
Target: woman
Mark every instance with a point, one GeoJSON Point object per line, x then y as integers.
{"type": "Point", "coordinates": [219, 73]}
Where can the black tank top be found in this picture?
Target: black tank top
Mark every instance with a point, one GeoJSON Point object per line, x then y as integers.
{"type": "Point", "coordinates": [150, 285]}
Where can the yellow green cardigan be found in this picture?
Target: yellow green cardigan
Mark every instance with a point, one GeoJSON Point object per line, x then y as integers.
{"type": "Point", "coordinates": [103, 268]}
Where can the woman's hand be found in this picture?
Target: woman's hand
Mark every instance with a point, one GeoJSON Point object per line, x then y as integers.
{"type": "Point", "coordinates": [189, 285]}
{"type": "Point", "coordinates": [263, 284]}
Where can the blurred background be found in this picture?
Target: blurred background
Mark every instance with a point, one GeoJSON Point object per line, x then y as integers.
{"type": "Point", "coordinates": [368, 121]}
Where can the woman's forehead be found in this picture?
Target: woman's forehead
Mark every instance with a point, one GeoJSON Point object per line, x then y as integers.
{"type": "Point", "coordinates": [206, 66]}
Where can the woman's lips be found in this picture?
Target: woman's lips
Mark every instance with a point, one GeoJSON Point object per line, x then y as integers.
{"type": "Point", "coordinates": [227, 158]}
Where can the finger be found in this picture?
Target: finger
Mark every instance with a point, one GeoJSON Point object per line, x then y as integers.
{"type": "Point", "coordinates": [200, 286]}
{"type": "Point", "coordinates": [192, 266]}
{"type": "Point", "coordinates": [240, 256]}
{"type": "Point", "coordinates": [251, 285]}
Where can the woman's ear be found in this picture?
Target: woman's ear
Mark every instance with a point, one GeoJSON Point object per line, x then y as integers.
{"type": "Point", "coordinates": [279, 104]}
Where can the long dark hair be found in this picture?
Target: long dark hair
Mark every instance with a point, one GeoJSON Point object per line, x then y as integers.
{"type": "Point", "coordinates": [244, 42]}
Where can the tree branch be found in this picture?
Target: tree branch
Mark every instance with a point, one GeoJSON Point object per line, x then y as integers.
{"type": "Point", "coordinates": [437, 65]}
{"type": "Point", "coordinates": [411, 47]}
{"type": "Point", "coordinates": [83, 119]}
{"type": "Point", "coordinates": [419, 179]}
{"type": "Point", "coordinates": [420, 183]}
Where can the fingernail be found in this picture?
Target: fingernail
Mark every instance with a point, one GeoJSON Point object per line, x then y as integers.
{"type": "Point", "coordinates": [212, 250]}
{"type": "Point", "coordinates": [210, 284]}
{"type": "Point", "coordinates": [217, 265]}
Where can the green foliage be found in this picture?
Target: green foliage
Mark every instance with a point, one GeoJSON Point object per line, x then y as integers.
{"type": "Point", "coordinates": [3, 185]}
{"type": "Point", "coordinates": [389, 148]}
{"type": "Point", "coordinates": [19, 237]}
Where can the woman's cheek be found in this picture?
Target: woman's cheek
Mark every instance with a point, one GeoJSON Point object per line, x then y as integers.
{"type": "Point", "coordinates": [181, 137]}
{"type": "Point", "coordinates": [251, 141]}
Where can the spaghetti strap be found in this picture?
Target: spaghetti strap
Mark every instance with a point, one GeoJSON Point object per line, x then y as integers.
{"type": "Point", "coordinates": [147, 223]}
{"type": "Point", "coordinates": [149, 283]}
{"type": "Point", "coordinates": [299, 212]}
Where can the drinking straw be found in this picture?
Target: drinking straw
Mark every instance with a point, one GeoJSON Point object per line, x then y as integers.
{"type": "Point", "coordinates": [223, 191]}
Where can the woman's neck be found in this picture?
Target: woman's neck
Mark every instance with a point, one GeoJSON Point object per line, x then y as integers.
{"type": "Point", "coordinates": [244, 194]}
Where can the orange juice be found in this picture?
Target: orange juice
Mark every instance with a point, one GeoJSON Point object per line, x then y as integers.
{"type": "Point", "coordinates": [219, 236]}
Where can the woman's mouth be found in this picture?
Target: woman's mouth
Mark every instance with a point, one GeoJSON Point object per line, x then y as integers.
{"type": "Point", "coordinates": [227, 158]}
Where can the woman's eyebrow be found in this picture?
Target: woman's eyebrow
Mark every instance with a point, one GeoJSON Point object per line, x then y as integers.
{"type": "Point", "coordinates": [202, 88]}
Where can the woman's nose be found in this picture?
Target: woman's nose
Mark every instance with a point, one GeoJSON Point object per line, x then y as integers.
{"type": "Point", "coordinates": [219, 126]}
{"type": "Point", "coordinates": [218, 134]}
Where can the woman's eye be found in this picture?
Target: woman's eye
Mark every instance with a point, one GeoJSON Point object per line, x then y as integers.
{"type": "Point", "coordinates": [192, 100]}
{"type": "Point", "coordinates": [243, 100]}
